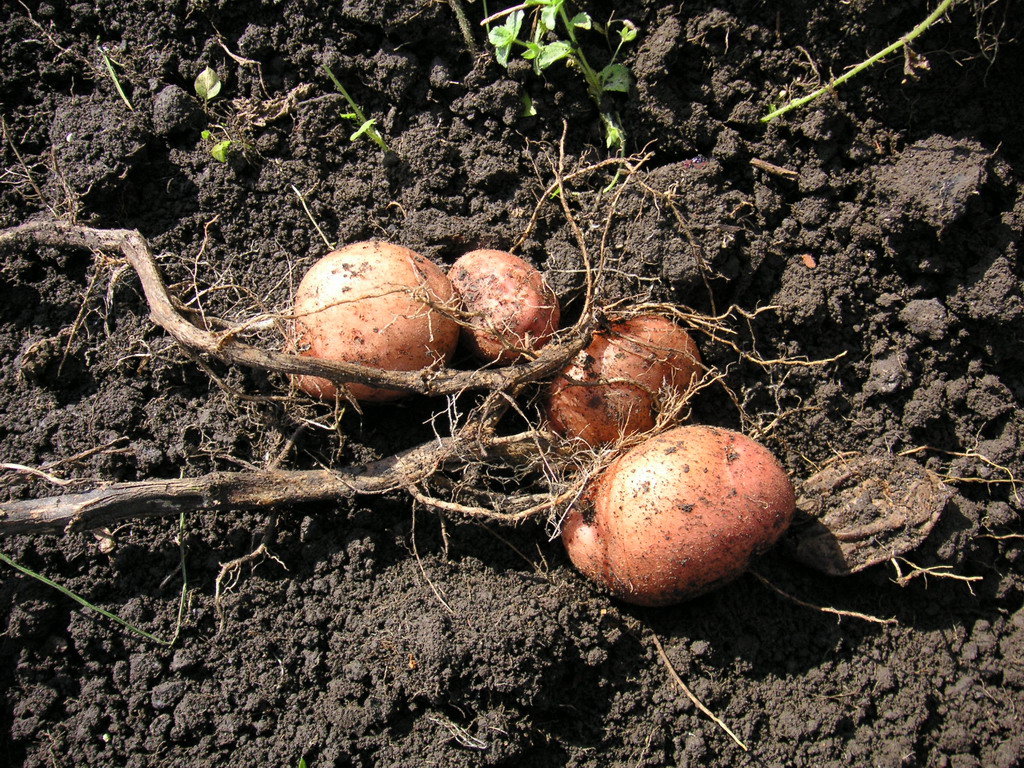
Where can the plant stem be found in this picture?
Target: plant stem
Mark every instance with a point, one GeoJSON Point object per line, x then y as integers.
{"type": "Point", "coordinates": [610, 120]}
{"type": "Point", "coordinates": [184, 579]}
{"type": "Point", "coordinates": [464, 26]}
{"type": "Point", "coordinates": [924, 25]}
{"type": "Point", "coordinates": [593, 83]}
{"type": "Point", "coordinates": [371, 131]}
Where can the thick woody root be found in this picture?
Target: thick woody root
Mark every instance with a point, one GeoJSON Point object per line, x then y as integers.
{"type": "Point", "coordinates": [262, 489]}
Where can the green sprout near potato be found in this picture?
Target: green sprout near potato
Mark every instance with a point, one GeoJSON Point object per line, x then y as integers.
{"type": "Point", "coordinates": [545, 46]}
{"type": "Point", "coordinates": [207, 86]}
{"type": "Point", "coordinates": [366, 127]}
{"type": "Point", "coordinates": [110, 64]}
{"type": "Point", "coordinates": [113, 616]}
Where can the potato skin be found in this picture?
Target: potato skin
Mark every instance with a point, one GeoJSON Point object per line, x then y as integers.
{"type": "Point", "coordinates": [516, 310]}
{"type": "Point", "coordinates": [679, 515]}
{"type": "Point", "coordinates": [608, 391]}
{"type": "Point", "coordinates": [365, 303]}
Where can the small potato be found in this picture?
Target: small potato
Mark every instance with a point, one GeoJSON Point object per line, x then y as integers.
{"type": "Point", "coordinates": [679, 515]}
{"type": "Point", "coordinates": [610, 390]}
{"type": "Point", "coordinates": [373, 303]}
{"type": "Point", "coordinates": [514, 311]}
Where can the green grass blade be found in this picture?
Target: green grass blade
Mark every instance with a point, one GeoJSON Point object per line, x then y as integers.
{"type": "Point", "coordinates": [113, 76]}
{"type": "Point", "coordinates": [112, 616]}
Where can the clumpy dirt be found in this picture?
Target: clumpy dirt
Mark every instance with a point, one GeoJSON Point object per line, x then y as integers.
{"type": "Point", "coordinates": [878, 232]}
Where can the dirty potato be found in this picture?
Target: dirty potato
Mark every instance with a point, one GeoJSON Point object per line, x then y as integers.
{"type": "Point", "coordinates": [377, 304]}
{"type": "Point", "coordinates": [512, 311]}
{"type": "Point", "coordinates": [679, 515]}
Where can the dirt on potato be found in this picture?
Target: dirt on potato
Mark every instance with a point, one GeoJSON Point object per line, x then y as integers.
{"type": "Point", "coordinates": [870, 241]}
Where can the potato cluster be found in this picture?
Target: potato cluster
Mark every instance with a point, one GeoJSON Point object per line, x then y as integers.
{"type": "Point", "coordinates": [675, 516]}
{"type": "Point", "coordinates": [385, 306]}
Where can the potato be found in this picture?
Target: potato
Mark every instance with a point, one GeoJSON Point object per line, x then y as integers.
{"type": "Point", "coordinates": [610, 390]}
{"type": "Point", "coordinates": [514, 311]}
{"type": "Point", "coordinates": [373, 303]}
{"type": "Point", "coordinates": [679, 515]}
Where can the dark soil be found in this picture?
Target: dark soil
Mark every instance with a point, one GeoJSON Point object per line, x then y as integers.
{"type": "Point", "coordinates": [382, 635]}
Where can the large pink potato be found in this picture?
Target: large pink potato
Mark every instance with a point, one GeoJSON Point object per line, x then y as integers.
{"type": "Point", "coordinates": [373, 303]}
{"type": "Point", "coordinates": [610, 389]}
{"type": "Point", "coordinates": [512, 309]}
{"type": "Point", "coordinates": [679, 515]}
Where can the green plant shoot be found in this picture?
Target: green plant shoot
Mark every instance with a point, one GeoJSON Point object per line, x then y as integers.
{"type": "Point", "coordinates": [113, 616]}
{"type": "Point", "coordinates": [221, 150]}
{"type": "Point", "coordinates": [835, 83]}
{"type": "Point", "coordinates": [109, 63]}
{"type": "Point", "coordinates": [553, 39]}
{"type": "Point", "coordinates": [366, 127]}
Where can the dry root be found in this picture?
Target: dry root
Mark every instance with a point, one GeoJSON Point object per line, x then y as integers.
{"type": "Point", "coordinates": [259, 489]}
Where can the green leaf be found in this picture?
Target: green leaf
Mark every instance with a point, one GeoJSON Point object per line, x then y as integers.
{"type": "Point", "coordinates": [549, 18]}
{"type": "Point", "coordinates": [206, 135]}
{"type": "Point", "coordinates": [207, 84]}
{"type": "Point", "coordinates": [582, 21]}
{"type": "Point", "coordinates": [551, 53]}
{"type": "Point", "coordinates": [500, 36]}
{"type": "Point", "coordinates": [504, 36]}
{"type": "Point", "coordinates": [628, 31]}
{"type": "Point", "coordinates": [363, 129]}
{"type": "Point", "coordinates": [221, 150]}
{"type": "Point", "coordinates": [513, 24]}
{"type": "Point", "coordinates": [532, 50]}
{"type": "Point", "coordinates": [501, 54]}
{"type": "Point", "coordinates": [616, 77]}
{"type": "Point", "coordinates": [528, 109]}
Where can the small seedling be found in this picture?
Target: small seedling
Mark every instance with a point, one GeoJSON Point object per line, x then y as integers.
{"type": "Point", "coordinates": [110, 63]}
{"type": "Point", "coordinates": [366, 127]}
{"type": "Point", "coordinates": [835, 83]}
{"type": "Point", "coordinates": [544, 48]}
{"type": "Point", "coordinates": [207, 86]}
